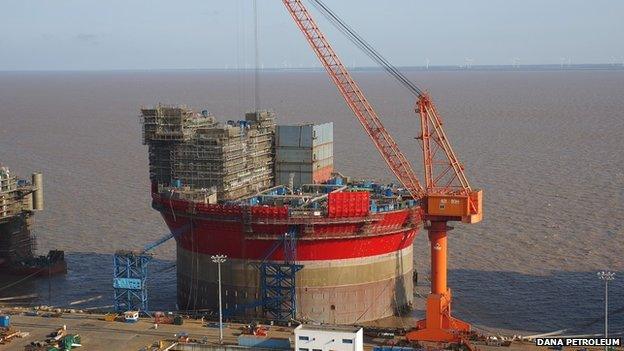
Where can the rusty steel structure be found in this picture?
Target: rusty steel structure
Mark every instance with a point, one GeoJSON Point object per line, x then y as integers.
{"type": "Point", "coordinates": [447, 195]}
{"type": "Point", "coordinates": [18, 201]}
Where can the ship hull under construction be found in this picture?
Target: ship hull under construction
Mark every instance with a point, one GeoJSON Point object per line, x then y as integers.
{"type": "Point", "coordinates": [16, 241]}
{"type": "Point", "coordinates": [355, 269]}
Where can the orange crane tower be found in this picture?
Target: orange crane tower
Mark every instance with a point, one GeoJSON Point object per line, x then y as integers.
{"type": "Point", "coordinates": [446, 196]}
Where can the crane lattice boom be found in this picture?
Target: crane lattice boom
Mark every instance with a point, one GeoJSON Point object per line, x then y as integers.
{"type": "Point", "coordinates": [447, 195]}
{"type": "Point", "coordinates": [434, 142]}
{"type": "Point", "coordinates": [355, 99]}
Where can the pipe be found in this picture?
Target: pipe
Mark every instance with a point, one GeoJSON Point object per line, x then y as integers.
{"type": "Point", "coordinates": [324, 196]}
{"type": "Point", "coordinates": [37, 182]}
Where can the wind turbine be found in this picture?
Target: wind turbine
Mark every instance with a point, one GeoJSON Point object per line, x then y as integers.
{"type": "Point", "coordinates": [469, 62]}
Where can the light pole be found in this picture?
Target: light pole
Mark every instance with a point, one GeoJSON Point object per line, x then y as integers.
{"type": "Point", "coordinates": [218, 259]}
{"type": "Point", "coordinates": [607, 277]}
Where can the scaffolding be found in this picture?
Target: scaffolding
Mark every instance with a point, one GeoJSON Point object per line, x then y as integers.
{"type": "Point", "coordinates": [11, 203]}
{"type": "Point", "coordinates": [164, 127]}
{"type": "Point", "coordinates": [191, 149]}
{"type": "Point", "coordinates": [129, 281]}
{"type": "Point", "coordinates": [16, 208]}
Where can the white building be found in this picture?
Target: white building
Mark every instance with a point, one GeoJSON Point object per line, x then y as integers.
{"type": "Point", "coordinates": [326, 338]}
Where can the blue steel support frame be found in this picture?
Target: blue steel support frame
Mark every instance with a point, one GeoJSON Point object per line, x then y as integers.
{"type": "Point", "coordinates": [129, 277]}
{"type": "Point", "coordinates": [278, 280]}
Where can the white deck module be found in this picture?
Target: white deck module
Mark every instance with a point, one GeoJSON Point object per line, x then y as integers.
{"type": "Point", "coordinates": [324, 338]}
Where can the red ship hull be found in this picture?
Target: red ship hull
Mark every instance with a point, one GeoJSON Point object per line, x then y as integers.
{"type": "Point", "coordinates": [358, 266]}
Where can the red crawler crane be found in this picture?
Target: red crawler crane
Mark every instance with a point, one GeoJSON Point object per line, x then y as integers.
{"type": "Point", "coordinates": [447, 195]}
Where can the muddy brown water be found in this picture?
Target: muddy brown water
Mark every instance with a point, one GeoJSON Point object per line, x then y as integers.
{"type": "Point", "coordinates": [547, 147]}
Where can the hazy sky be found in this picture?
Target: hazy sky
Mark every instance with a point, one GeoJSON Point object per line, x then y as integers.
{"type": "Point", "coordinates": [155, 34]}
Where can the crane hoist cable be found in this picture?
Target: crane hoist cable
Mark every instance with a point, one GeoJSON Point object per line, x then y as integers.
{"type": "Point", "coordinates": [424, 105]}
{"type": "Point", "coordinates": [367, 48]}
{"type": "Point", "coordinates": [256, 58]}
{"type": "Point", "coordinates": [445, 179]}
